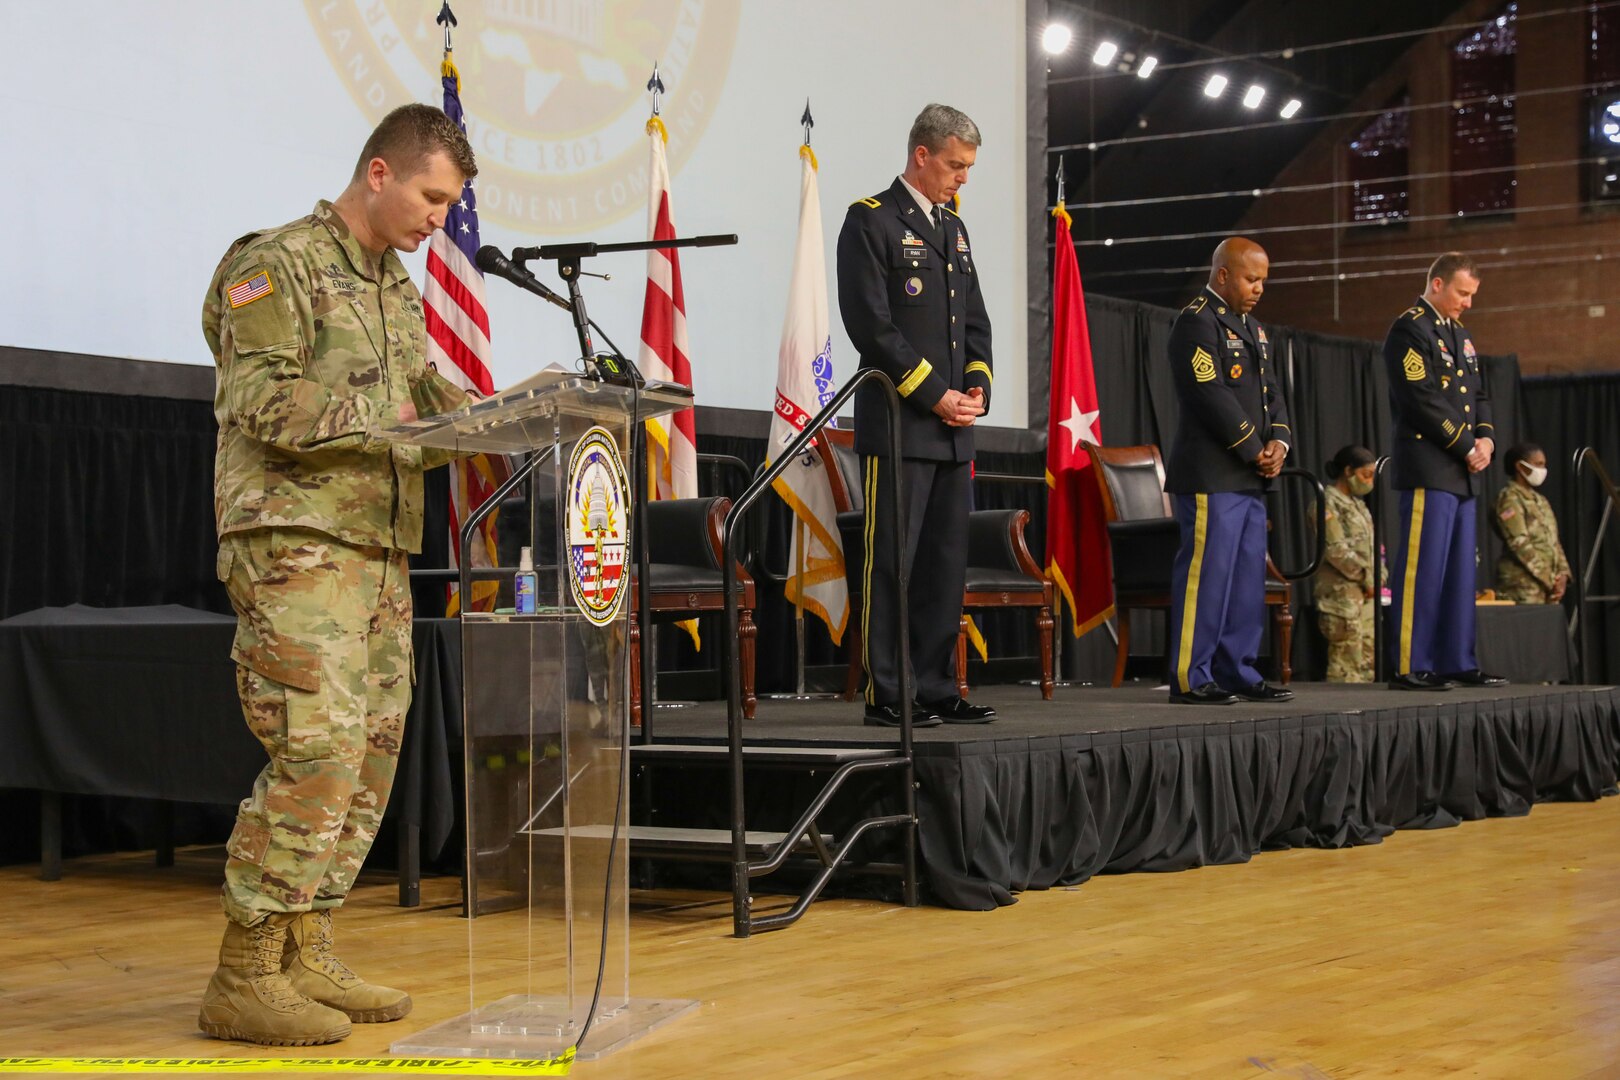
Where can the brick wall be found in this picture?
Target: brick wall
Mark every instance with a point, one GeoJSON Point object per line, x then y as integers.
{"type": "Point", "coordinates": [1553, 298]}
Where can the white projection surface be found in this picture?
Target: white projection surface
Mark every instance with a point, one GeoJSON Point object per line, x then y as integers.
{"type": "Point", "coordinates": [142, 138]}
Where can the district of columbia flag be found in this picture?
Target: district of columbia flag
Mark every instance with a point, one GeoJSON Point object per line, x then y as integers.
{"type": "Point", "coordinates": [1076, 536]}
{"type": "Point", "coordinates": [671, 440]}
{"type": "Point", "coordinates": [804, 383]}
{"type": "Point", "coordinates": [458, 346]}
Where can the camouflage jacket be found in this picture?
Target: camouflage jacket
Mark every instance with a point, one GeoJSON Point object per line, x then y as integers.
{"type": "Point", "coordinates": [1529, 568]}
{"type": "Point", "coordinates": [318, 344]}
{"type": "Point", "coordinates": [1346, 571]}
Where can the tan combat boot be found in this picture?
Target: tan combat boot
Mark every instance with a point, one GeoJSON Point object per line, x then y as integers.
{"type": "Point", "coordinates": [320, 975]}
{"type": "Point", "coordinates": [250, 999]}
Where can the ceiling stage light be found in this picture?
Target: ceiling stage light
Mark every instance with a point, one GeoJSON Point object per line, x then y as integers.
{"type": "Point", "coordinates": [1148, 64]}
{"type": "Point", "coordinates": [1609, 124]}
{"type": "Point", "coordinates": [1106, 51]}
{"type": "Point", "coordinates": [1216, 86]}
{"type": "Point", "coordinates": [1254, 96]}
{"type": "Point", "coordinates": [1291, 108]}
{"type": "Point", "coordinates": [1056, 38]}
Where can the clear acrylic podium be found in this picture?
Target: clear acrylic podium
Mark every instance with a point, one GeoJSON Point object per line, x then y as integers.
{"type": "Point", "coordinates": [546, 728]}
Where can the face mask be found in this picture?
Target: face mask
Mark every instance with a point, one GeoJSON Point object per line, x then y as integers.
{"type": "Point", "coordinates": [1358, 486]}
{"type": "Point", "coordinates": [1535, 476]}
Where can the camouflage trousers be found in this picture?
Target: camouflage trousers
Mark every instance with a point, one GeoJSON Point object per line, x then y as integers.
{"type": "Point", "coordinates": [323, 668]}
{"type": "Point", "coordinates": [1350, 645]}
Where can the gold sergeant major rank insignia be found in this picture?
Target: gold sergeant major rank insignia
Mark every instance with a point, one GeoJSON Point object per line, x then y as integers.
{"type": "Point", "coordinates": [1412, 364]}
{"type": "Point", "coordinates": [1203, 365]}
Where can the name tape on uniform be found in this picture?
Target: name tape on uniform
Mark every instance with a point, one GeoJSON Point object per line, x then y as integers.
{"type": "Point", "coordinates": [394, 1066]}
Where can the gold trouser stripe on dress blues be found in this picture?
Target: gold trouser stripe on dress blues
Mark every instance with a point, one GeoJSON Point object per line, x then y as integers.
{"type": "Point", "coordinates": [979, 365]}
{"type": "Point", "coordinates": [1189, 606]}
{"type": "Point", "coordinates": [866, 577]}
{"type": "Point", "coordinates": [914, 377]}
{"type": "Point", "coordinates": [1414, 542]}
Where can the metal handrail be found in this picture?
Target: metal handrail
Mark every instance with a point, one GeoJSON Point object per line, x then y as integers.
{"type": "Point", "coordinates": [1374, 502]}
{"type": "Point", "coordinates": [488, 506]}
{"type": "Point", "coordinates": [1321, 523]}
{"type": "Point", "coordinates": [741, 918]}
{"type": "Point", "coordinates": [1587, 458]}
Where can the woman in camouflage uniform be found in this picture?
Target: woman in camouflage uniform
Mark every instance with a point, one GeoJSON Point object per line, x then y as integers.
{"type": "Point", "coordinates": [1346, 597]}
{"type": "Point", "coordinates": [1533, 569]}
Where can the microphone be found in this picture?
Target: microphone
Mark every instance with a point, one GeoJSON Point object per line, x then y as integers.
{"type": "Point", "coordinates": [491, 261]}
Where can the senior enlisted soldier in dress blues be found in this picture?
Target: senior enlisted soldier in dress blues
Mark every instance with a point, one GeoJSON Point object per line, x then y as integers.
{"type": "Point", "coordinates": [908, 291]}
{"type": "Point", "coordinates": [1443, 441]}
{"type": "Point", "coordinates": [320, 343]}
{"type": "Point", "coordinates": [1230, 442]}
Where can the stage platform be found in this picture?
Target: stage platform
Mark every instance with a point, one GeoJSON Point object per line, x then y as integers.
{"type": "Point", "coordinates": [1110, 781]}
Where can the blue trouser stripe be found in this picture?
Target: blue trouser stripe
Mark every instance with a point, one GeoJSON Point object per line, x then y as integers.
{"type": "Point", "coordinates": [1441, 636]}
{"type": "Point", "coordinates": [1229, 603]}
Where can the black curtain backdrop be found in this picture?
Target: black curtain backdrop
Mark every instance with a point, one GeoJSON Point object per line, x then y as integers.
{"type": "Point", "coordinates": [1563, 414]}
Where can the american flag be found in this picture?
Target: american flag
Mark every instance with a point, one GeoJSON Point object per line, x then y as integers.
{"type": "Point", "coordinates": [458, 346]}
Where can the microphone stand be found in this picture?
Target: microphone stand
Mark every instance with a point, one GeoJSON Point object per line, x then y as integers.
{"type": "Point", "coordinates": [568, 257]}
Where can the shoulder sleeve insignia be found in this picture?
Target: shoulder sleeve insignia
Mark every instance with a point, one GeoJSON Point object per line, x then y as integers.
{"type": "Point", "coordinates": [249, 289]}
{"type": "Point", "coordinates": [1412, 364]}
{"type": "Point", "coordinates": [1509, 513]}
{"type": "Point", "coordinates": [1197, 305]}
{"type": "Point", "coordinates": [1203, 365]}
{"type": "Point", "coordinates": [870, 203]}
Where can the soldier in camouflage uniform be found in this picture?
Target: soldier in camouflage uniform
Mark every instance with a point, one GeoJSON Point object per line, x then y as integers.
{"type": "Point", "coordinates": [320, 343]}
{"type": "Point", "coordinates": [1533, 569]}
{"type": "Point", "coordinates": [1346, 596]}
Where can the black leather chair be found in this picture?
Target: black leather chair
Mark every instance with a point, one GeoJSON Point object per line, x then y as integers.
{"type": "Point", "coordinates": [1001, 572]}
{"type": "Point", "coordinates": [684, 566]}
{"type": "Point", "coordinates": [1142, 541]}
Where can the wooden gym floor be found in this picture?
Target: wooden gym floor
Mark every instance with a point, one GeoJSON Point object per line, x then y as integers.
{"type": "Point", "coordinates": [1490, 950]}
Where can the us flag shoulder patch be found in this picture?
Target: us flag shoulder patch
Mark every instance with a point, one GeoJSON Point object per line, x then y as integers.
{"type": "Point", "coordinates": [250, 289]}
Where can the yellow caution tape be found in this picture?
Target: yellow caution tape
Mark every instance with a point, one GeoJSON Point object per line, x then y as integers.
{"type": "Point", "coordinates": [398, 1066]}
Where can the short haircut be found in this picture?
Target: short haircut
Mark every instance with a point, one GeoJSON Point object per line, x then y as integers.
{"type": "Point", "coordinates": [1447, 266]}
{"type": "Point", "coordinates": [937, 125]}
{"type": "Point", "coordinates": [1516, 453]}
{"type": "Point", "coordinates": [1349, 457]}
{"type": "Point", "coordinates": [411, 134]}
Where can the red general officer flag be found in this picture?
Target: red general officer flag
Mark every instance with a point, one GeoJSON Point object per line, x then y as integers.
{"type": "Point", "coordinates": [1076, 536]}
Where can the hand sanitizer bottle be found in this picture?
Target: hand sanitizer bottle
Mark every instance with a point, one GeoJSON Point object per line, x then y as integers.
{"type": "Point", "coordinates": [525, 585]}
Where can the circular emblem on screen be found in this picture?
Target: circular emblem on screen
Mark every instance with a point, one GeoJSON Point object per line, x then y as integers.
{"type": "Point", "coordinates": [598, 526]}
{"type": "Point", "coordinates": [914, 286]}
{"type": "Point", "coordinates": [554, 93]}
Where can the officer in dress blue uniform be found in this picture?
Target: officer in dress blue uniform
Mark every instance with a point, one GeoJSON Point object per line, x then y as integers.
{"type": "Point", "coordinates": [1443, 441]}
{"type": "Point", "coordinates": [908, 291]}
{"type": "Point", "coordinates": [1231, 441]}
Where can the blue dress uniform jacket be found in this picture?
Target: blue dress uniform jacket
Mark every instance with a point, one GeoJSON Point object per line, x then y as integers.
{"type": "Point", "coordinates": [909, 296]}
{"type": "Point", "coordinates": [1437, 396]}
{"type": "Point", "coordinates": [1230, 403]}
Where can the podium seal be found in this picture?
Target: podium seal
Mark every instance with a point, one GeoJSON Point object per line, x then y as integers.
{"type": "Point", "coordinates": [598, 526]}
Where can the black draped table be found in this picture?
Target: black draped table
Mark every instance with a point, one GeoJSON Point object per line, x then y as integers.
{"type": "Point", "coordinates": [1526, 643]}
{"type": "Point", "coordinates": [141, 702]}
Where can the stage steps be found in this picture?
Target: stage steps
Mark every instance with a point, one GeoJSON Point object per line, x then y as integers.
{"type": "Point", "coordinates": [756, 853]}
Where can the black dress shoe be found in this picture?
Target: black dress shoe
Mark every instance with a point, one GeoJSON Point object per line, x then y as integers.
{"type": "Point", "coordinates": [1261, 692]}
{"type": "Point", "coordinates": [1476, 677]}
{"type": "Point", "coordinates": [1420, 680]}
{"type": "Point", "coordinates": [889, 716]}
{"type": "Point", "coordinates": [956, 711]}
{"type": "Point", "coordinates": [1208, 694]}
